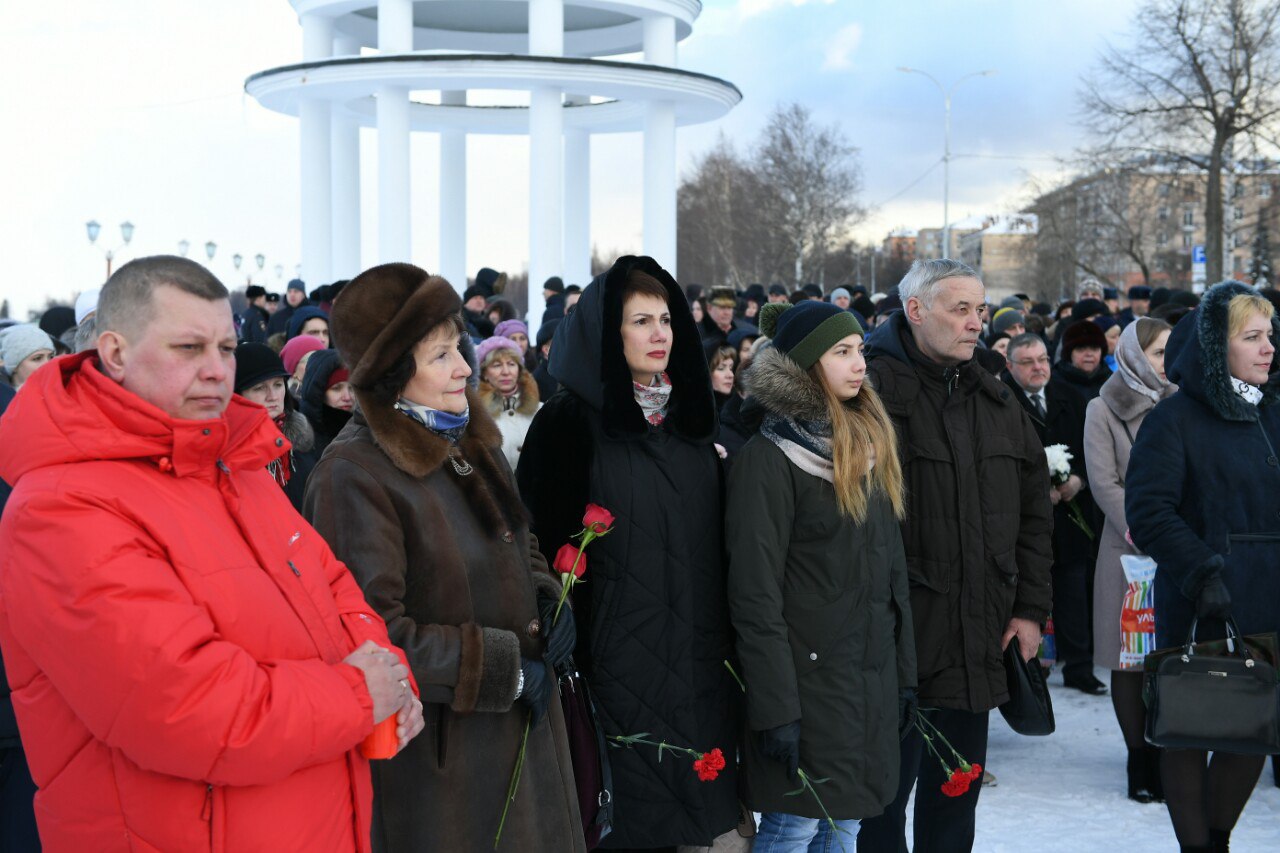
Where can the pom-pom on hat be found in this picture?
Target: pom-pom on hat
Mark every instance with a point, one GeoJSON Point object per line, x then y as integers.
{"type": "Point", "coordinates": [806, 330]}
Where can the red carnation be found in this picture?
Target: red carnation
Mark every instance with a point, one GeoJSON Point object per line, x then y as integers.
{"type": "Point", "coordinates": [975, 772]}
{"type": "Point", "coordinates": [565, 558]}
{"type": "Point", "coordinates": [709, 765]}
{"type": "Point", "coordinates": [597, 519]}
{"type": "Point", "coordinates": [958, 784]}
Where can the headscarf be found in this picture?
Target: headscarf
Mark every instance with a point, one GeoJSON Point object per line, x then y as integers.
{"type": "Point", "coordinates": [1133, 367]}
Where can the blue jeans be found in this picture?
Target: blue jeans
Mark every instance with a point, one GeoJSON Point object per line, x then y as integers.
{"type": "Point", "coordinates": [788, 833]}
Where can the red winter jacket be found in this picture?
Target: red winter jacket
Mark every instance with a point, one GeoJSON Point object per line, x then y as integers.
{"type": "Point", "coordinates": [173, 631]}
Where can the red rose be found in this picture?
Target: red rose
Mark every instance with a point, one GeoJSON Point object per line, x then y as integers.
{"type": "Point", "coordinates": [565, 558]}
{"type": "Point", "coordinates": [597, 519]}
{"type": "Point", "coordinates": [709, 765]}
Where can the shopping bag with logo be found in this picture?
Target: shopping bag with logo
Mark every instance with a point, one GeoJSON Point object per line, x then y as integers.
{"type": "Point", "coordinates": [1137, 611]}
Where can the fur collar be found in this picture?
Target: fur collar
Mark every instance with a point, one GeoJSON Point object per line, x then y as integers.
{"type": "Point", "coordinates": [299, 432]}
{"type": "Point", "coordinates": [419, 452]}
{"type": "Point", "coordinates": [528, 396]}
{"type": "Point", "coordinates": [781, 386]}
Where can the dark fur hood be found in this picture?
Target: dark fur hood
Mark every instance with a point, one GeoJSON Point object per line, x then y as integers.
{"type": "Point", "coordinates": [587, 358]}
{"type": "Point", "coordinates": [1197, 356]}
{"type": "Point", "coordinates": [779, 385]}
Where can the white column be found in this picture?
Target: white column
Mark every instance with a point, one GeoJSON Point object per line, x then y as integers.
{"type": "Point", "coordinates": [315, 158]}
{"type": "Point", "coordinates": [546, 152]}
{"type": "Point", "coordinates": [393, 175]}
{"type": "Point", "coordinates": [395, 35]}
{"type": "Point", "coordinates": [453, 199]}
{"type": "Point", "coordinates": [395, 26]}
{"type": "Point", "coordinates": [346, 180]}
{"type": "Point", "coordinates": [660, 151]}
{"type": "Point", "coordinates": [577, 202]}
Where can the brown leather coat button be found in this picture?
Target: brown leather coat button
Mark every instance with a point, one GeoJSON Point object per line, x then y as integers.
{"type": "Point", "coordinates": [534, 629]}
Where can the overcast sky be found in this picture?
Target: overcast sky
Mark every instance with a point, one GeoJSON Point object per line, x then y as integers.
{"type": "Point", "coordinates": [134, 109]}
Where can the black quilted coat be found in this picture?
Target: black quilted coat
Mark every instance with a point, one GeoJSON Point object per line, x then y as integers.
{"type": "Point", "coordinates": [652, 614]}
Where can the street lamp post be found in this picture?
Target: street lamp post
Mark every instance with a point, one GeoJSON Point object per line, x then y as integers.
{"type": "Point", "coordinates": [946, 145]}
{"type": "Point", "coordinates": [92, 228]}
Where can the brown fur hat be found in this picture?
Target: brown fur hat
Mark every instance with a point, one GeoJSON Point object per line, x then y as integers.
{"type": "Point", "coordinates": [383, 313]}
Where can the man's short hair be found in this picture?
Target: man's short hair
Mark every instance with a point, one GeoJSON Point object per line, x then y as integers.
{"type": "Point", "coordinates": [126, 301]}
{"type": "Point", "coordinates": [1026, 339]}
{"type": "Point", "coordinates": [921, 281]}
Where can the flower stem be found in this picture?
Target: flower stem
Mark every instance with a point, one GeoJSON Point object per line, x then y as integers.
{"type": "Point", "coordinates": [735, 675]}
{"type": "Point", "coordinates": [515, 778]}
{"type": "Point", "coordinates": [1077, 517]}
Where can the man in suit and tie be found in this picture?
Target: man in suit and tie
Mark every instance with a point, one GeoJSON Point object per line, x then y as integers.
{"type": "Point", "coordinates": [1057, 411]}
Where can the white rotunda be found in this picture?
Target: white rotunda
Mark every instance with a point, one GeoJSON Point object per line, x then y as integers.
{"type": "Point", "coordinates": [548, 48]}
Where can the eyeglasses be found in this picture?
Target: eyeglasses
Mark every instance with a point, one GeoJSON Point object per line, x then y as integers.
{"type": "Point", "coordinates": [1028, 362]}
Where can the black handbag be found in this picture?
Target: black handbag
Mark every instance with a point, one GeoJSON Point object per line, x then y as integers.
{"type": "Point", "coordinates": [1220, 697]}
{"type": "Point", "coordinates": [591, 774]}
{"type": "Point", "coordinates": [1028, 710]}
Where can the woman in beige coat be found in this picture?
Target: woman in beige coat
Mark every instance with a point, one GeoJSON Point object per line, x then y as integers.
{"type": "Point", "coordinates": [1111, 423]}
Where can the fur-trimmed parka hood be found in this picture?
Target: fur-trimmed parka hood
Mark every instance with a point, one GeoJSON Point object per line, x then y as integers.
{"type": "Point", "coordinates": [1197, 356]}
{"type": "Point", "coordinates": [529, 399]}
{"type": "Point", "coordinates": [781, 386]}
{"type": "Point", "coordinates": [587, 358]}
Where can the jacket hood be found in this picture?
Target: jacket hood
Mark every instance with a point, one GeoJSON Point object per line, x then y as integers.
{"type": "Point", "coordinates": [71, 412]}
{"type": "Point", "coordinates": [780, 385]}
{"type": "Point", "coordinates": [1134, 387]}
{"type": "Point", "coordinates": [1196, 356]}
{"type": "Point", "coordinates": [315, 380]}
{"type": "Point", "coordinates": [587, 358]}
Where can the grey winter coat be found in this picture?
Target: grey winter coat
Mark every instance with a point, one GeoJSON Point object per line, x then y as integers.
{"type": "Point", "coordinates": [1111, 423]}
{"type": "Point", "coordinates": [820, 606]}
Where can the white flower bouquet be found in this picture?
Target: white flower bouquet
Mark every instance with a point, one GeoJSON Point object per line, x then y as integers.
{"type": "Point", "coordinates": [1059, 459]}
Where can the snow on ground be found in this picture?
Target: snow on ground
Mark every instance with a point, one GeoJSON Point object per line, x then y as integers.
{"type": "Point", "coordinates": [1067, 792]}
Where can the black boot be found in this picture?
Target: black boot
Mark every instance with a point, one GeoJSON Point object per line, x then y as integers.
{"type": "Point", "coordinates": [1138, 768]}
{"type": "Point", "coordinates": [1197, 848]}
{"type": "Point", "coordinates": [1220, 840]}
{"type": "Point", "coordinates": [1155, 785]}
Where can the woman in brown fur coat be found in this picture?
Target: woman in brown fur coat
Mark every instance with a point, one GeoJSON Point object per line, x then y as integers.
{"type": "Point", "coordinates": [416, 497]}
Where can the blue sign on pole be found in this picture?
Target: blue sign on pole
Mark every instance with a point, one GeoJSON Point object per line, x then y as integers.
{"type": "Point", "coordinates": [1197, 254]}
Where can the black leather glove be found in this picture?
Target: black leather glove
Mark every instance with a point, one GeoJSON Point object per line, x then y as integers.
{"type": "Point", "coordinates": [538, 685]}
{"type": "Point", "coordinates": [563, 635]}
{"type": "Point", "coordinates": [1213, 601]}
{"type": "Point", "coordinates": [782, 743]}
{"type": "Point", "coordinates": [908, 706]}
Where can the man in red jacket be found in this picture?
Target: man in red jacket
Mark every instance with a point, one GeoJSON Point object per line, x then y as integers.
{"type": "Point", "coordinates": [192, 668]}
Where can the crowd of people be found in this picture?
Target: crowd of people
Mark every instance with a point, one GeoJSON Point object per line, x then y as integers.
{"type": "Point", "coordinates": [278, 527]}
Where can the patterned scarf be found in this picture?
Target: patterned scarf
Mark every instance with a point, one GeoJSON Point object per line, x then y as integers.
{"type": "Point", "coordinates": [1251, 394]}
{"type": "Point", "coordinates": [653, 399]}
{"type": "Point", "coordinates": [511, 404]}
{"type": "Point", "coordinates": [806, 443]}
{"type": "Point", "coordinates": [447, 425]}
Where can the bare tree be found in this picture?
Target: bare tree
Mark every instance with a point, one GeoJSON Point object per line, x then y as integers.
{"type": "Point", "coordinates": [1198, 77]}
{"type": "Point", "coordinates": [812, 181]}
{"type": "Point", "coordinates": [773, 215]}
{"type": "Point", "coordinates": [1112, 220]}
